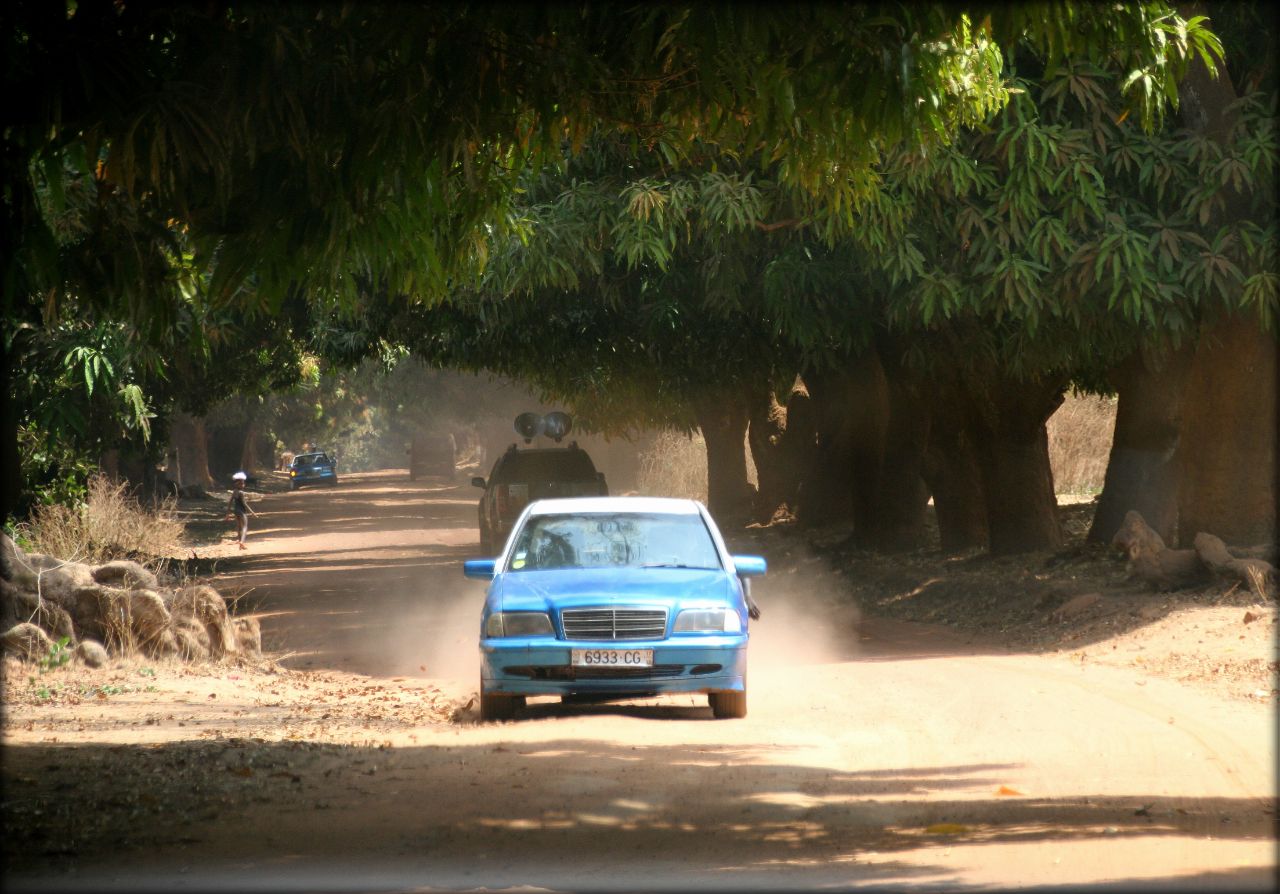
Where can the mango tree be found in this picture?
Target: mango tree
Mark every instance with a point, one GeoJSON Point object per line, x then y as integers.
{"type": "Point", "coordinates": [296, 149]}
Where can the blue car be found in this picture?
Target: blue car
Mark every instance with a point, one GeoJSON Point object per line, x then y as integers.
{"type": "Point", "coordinates": [312, 468]}
{"type": "Point", "coordinates": [613, 598]}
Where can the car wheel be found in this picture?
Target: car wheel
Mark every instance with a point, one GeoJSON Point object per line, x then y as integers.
{"type": "Point", "coordinates": [499, 707]}
{"type": "Point", "coordinates": [728, 705]}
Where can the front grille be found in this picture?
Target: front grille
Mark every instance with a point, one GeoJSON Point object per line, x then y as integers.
{"type": "Point", "coordinates": [566, 672]}
{"type": "Point", "coordinates": [614, 623]}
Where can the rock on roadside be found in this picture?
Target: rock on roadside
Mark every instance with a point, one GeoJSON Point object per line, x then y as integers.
{"type": "Point", "coordinates": [91, 653]}
{"type": "Point", "coordinates": [26, 641]}
{"type": "Point", "coordinates": [114, 608]}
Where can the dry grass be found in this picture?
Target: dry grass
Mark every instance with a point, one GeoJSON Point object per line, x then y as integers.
{"type": "Point", "coordinates": [109, 525]}
{"type": "Point", "coordinates": [1080, 435]}
{"type": "Point", "coordinates": [675, 465]}
{"type": "Point", "coordinates": [1260, 583]}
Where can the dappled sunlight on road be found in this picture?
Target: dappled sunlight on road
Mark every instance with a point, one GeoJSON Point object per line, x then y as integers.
{"type": "Point", "coordinates": [874, 752]}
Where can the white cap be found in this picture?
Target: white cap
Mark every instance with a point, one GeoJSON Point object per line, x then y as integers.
{"type": "Point", "coordinates": [240, 476]}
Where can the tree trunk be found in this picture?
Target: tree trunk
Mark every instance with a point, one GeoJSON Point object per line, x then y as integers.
{"type": "Point", "coordinates": [724, 429]}
{"type": "Point", "coordinates": [800, 443]}
{"type": "Point", "coordinates": [1142, 470]}
{"type": "Point", "coordinates": [951, 471]}
{"type": "Point", "coordinates": [950, 465]}
{"type": "Point", "coordinates": [766, 436]}
{"type": "Point", "coordinates": [850, 416]}
{"type": "Point", "coordinates": [826, 491]}
{"type": "Point", "coordinates": [1227, 462]}
{"type": "Point", "coordinates": [1022, 511]}
{"type": "Point", "coordinates": [250, 452]}
{"type": "Point", "coordinates": [1227, 466]}
{"type": "Point", "coordinates": [10, 460]}
{"type": "Point", "coordinates": [901, 498]}
{"type": "Point", "coordinates": [134, 468]}
{"type": "Point", "coordinates": [191, 443]}
{"type": "Point", "coordinates": [1013, 457]}
{"type": "Point", "coordinates": [869, 411]}
{"type": "Point", "coordinates": [226, 450]}
{"type": "Point", "coordinates": [18, 305]}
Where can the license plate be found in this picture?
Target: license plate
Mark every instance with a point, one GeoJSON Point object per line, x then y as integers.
{"type": "Point", "coordinates": [612, 657]}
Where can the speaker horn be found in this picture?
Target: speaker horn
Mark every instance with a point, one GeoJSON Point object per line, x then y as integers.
{"type": "Point", "coordinates": [529, 426]}
{"type": "Point", "coordinates": [557, 425]}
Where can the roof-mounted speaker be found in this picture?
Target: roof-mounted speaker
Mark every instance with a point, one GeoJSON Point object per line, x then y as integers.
{"type": "Point", "coordinates": [556, 425]}
{"type": "Point", "coordinates": [529, 426]}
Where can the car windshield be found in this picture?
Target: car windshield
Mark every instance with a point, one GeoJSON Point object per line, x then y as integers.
{"type": "Point", "coordinates": [308, 459]}
{"type": "Point", "coordinates": [607, 540]}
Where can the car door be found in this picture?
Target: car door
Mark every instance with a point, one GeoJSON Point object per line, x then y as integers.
{"type": "Point", "coordinates": [488, 499]}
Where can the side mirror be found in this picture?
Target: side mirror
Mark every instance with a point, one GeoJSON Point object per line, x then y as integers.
{"type": "Point", "coordinates": [478, 568]}
{"type": "Point", "coordinates": [749, 566]}
{"type": "Point", "coordinates": [477, 482]}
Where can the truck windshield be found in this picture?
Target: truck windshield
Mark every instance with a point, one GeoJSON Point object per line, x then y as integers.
{"type": "Point", "coordinates": [600, 540]}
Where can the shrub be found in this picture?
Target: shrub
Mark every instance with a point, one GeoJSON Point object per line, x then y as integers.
{"type": "Point", "coordinates": [109, 524]}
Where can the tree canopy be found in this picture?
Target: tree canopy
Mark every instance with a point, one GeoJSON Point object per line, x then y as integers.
{"type": "Point", "coordinates": [302, 145]}
{"type": "Point", "coordinates": [168, 165]}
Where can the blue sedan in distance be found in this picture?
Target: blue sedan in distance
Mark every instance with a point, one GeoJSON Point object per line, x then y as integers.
{"type": "Point", "coordinates": [612, 598]}
{"type": "Point", "coordinates": [312, 468]}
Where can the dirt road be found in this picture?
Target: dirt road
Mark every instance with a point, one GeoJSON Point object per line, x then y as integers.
{"type": "Point", "coordinates": [875, 754]}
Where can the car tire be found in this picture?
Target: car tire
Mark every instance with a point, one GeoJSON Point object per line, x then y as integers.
{"type": "Point", "coordinates": [728, 705]}
{"type": "Point", "coordinates": [499, 707]}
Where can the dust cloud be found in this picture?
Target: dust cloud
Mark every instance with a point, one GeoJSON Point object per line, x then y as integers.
{"type": "Point", "coordinates": [431, 630]}
{"type": "Point", "coordinates": [370, 581]}
{"type": "Point", "coordinates": [806, 616]}
{"type": "Point", "coordinates": [441, 641]}
{"type": "Point", "coordinates": [426, 626]}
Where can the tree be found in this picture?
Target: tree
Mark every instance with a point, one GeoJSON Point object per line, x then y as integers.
{"type": "Point", "coordinates": [1195, 430]}
{"type": "Point", "coordinates": [299, 149]}
{"type": "Point", "coordinates": [1106, 245]}
{"type": "Point", "coordinates": [606, 363]}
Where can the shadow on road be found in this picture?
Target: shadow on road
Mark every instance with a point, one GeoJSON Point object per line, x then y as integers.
{"type": "Point", "coordinates": [567, 809]}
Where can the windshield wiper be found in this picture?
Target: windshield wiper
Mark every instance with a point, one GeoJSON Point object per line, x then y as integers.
{"type": "Point", "coordinates": [674, 565]}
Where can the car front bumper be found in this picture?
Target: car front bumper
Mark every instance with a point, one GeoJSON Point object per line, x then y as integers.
{"type": "Point", "coordinates": [541, 667]}
{"type": "Point", "coordinates": [312, 477]}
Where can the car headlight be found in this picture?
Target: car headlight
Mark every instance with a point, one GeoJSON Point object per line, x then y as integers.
{"type": "Point", "coordinates": [293, 472]}
{"type": "Point", "coordinates": [518, 624]}
{"type": "Point", "coordinates": [706, 620]}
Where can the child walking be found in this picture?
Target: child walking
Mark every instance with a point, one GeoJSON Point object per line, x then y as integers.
{"type": "Point", "coordinates": [238, 506]}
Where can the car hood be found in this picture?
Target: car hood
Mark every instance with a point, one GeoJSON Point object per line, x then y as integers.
{"type": "Point", "coordinates": [573, 588]}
